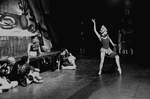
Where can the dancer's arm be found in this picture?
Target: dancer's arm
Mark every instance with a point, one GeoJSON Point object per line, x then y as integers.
{"type": "Point", "coordinates": [29, 47]}
{"type": "Point", "coordinates": [111, 41]}
{"type": "Point", "coordinates": [98, 35]}
{"type": "Point", "coordinates": [40, 52]}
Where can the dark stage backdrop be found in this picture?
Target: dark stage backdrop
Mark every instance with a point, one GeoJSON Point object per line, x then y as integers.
{"type": "Point", "coordinates": [65, 19]}
{"type": "Point", "coordinates": [141, 30]}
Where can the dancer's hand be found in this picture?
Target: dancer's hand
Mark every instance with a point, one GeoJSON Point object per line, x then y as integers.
{"type": "Point", "coordinates": [114, 45]}
{"type": "Point", "coordinates": [93, 20]}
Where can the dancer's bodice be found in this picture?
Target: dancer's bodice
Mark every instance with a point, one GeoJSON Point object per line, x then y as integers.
{"type": "Point", "coordinates": [105, 42]}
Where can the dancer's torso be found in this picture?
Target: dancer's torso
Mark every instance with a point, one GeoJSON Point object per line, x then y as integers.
{"type": "Point", "coordinates": [105, 42]}
{"type": "Point", "coordinates": [34, 47]}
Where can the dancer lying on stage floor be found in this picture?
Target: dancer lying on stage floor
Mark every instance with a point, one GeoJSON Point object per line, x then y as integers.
{"type": "Point", "coordinates": [105, 49]}
{"type": "Point", "coordinates": [66, 60]}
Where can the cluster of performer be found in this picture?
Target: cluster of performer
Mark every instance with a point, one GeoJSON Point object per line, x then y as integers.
{"type": "Point", "coordinates": [21, 72]}
{"type": "Point", "coordinates": [14, 73]}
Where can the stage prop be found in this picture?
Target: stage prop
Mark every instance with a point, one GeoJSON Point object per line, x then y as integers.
{"type": "Point", "coordinates": [47, 61]}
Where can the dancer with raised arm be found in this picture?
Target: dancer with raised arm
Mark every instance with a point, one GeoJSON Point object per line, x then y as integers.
{"type": "Point", "coordinates": [105, 49]}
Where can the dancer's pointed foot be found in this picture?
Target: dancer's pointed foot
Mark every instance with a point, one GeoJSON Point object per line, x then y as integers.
{"type": "Point", "coordinates": [120, 72]}
{"type": "Point", "coordinates": [100, 72]}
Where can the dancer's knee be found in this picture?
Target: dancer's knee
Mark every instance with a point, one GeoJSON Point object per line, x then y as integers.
{"type": "Point", "coordinates": [101, 63]}
{"type": "Point", "coordinates": [117, 57]}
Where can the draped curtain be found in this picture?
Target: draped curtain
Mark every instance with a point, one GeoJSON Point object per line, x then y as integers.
{"type": "Point", "coordinates": [37, 10]}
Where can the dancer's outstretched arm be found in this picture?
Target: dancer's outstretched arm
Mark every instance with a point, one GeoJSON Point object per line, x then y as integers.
{"type": "Point", "coordinates": [98, 35]}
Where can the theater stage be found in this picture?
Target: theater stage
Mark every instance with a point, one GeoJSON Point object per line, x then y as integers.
{"type": "Point", "coordinates": [84, 83]}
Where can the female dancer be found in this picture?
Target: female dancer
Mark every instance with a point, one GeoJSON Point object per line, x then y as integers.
{"type": "Point", "coordinates": [105, 49]}
{"type": "Point", "coordinates": [67, 60]}
{"type": "Point", "coordinates": [34, 49]}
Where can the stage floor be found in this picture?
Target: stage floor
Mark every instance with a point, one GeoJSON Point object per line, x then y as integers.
{"type": "Point", "coordinates": [85, 83]}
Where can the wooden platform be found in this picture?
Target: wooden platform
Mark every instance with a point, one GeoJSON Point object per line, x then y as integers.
{"type": "Point", "coordinates": [47, 61]}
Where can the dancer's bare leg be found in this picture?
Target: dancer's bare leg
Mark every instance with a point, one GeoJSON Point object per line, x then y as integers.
{"type": "Point", "coordinates": [119, 50]}
{"type": "Point", "coordinates": [72, 60]}
{"type": "Point", "coordinates": [101, 62]}
{"type": "Point", "coordinates": [131, 51]}
{"type": "Point", "coordinates": [118, 63]}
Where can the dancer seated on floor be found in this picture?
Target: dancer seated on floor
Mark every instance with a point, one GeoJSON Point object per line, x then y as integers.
{"type": "Point", "coordinates": [34, 48]}
{"type": "Point", "coordinates": [105, 49]}
{"type": "Point", "coordinates": [27, 73]}
{"type": "Point", "coordinates": [67, 60]}
{"type": "Point", "coordinates": [8, 79]}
